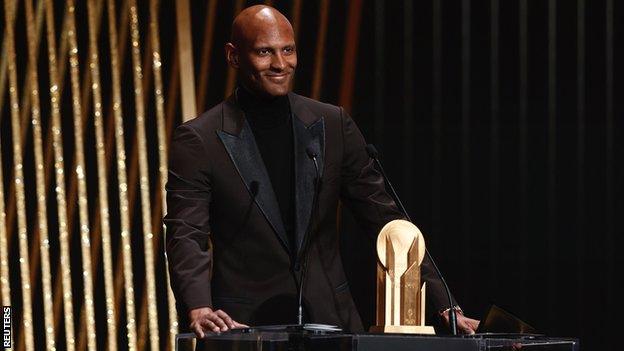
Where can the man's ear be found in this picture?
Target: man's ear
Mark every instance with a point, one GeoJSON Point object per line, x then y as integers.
{"type": "Point", "coordinates": [231, 55]}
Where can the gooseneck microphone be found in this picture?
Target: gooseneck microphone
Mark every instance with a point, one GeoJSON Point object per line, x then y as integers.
{"type": "Point", "coordinates": [373, 154]}
{"type": "Point", "coordinates": [301, 261]}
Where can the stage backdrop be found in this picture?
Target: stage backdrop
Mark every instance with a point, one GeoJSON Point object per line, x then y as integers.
{"type": "Point", "coordinates": [500, 122]}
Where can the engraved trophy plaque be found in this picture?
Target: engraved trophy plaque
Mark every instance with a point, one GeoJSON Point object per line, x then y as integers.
{"type": "Point", "coordinates": [400, 293]}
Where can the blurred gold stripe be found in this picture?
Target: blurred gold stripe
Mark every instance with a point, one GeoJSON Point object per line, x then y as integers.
{"type": "Point", "coordinates": [59, 166]}
{"type": "Point", "coordinates": [94, 66]}
{"type": "Point", "coordinates": [121, 175]}
{"type": "Point", "coordinates": [319, 57]}
{"type": "Point", "coordinates": [26, 93]}
{"type": "Point", "coordinates": [146, 210]}
{"type": "Point", "coordinates": [9, 13]}
{"type": "Point", "coordinates": [83, 209]}
{"type": "Point", "coordinates": [231, 74]}
{"type": "Point", "coordinates": [295, 15]}
{"type": "Point", "coordinates": [5, 286]}
{"type": "Point", "coordinates": [133, 178]}
{"type": "Point", "coordinates": [349, 59]}
{"type": "Point", "coordinates": [42, 213]}
{"type": "Point", "coordinates": [3, 69]}
{"type": "Point", "coordinates": [162, 153]}
{"type": "Point", "coordinates": [185, 47]}
{"type": "Point", "coordinates": [204, 70]}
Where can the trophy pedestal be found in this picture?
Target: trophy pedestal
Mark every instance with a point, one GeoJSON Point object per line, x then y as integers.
{"type": "Point", "coordinates": [403, 329]}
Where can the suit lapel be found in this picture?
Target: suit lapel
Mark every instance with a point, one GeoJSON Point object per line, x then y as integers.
{"type": "Point", "coordinates": [309, 130]}
{"type": "Point", "coordinates": [241, 146]}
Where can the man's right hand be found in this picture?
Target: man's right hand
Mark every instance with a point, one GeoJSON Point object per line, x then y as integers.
{"type": "Point", "coordinates": [205, 319]}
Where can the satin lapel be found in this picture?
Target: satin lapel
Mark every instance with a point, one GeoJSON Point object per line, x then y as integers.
{"type": "Point", "coordinates": [240, 144]}
{"type": "Point", "coordinates": [309, 130]}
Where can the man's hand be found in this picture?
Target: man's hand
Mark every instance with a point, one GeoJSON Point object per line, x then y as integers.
{"type": "Point", "coordinates": [205, 319]}
{"type": "Point", "coordinates": [465, 325]}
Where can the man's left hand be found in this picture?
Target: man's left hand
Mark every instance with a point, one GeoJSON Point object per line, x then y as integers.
{"type": "Point", "coordinates": [465, 325]}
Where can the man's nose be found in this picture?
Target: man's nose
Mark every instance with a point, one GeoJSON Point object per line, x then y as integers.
{"type": "Point", "coordinates": [279, 62]}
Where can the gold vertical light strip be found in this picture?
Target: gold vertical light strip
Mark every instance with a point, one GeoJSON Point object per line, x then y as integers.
{"type": "Point", "coordinates": [42, 213]}
{"type": "Point", "coordinates": [349, 61]}
{"type": "Point", "coordinates": [162, 150]}
{"type": "Point", "coordinates": [59, 166]}
{"type": "Point", "coordinates": [146, 210]}
{"type": "Point", "coordinates": [83, 207]}
{"type": "Point", "coordinates": [231, 74]}
{"type": "Point", "coordinates": [5, 287]}
{"type": "Point", "coordinates": [3, 70]}
{"type": "Point", "coordinates": [317, 80]}
{"type": "Point", "coordinates": [206, 53]}
{"type": "Point", "coordinates": [5, 284]}
{"type": "Point", "coordinates": [27, 322]}
{"type": "Point", "coordinates": [122, 179]}
{"type": "Point", "coordinates": [185, 48]}
{"type": "Point", "coordinates": [94, 66]}
{"type": "Point", "coordinates": [26, 93]}
{"type": "Point", "coordinates": [295, 16]}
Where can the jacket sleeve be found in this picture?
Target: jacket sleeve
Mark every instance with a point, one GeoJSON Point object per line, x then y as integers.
{"type": "Point", "coordinates": [188, 244]}
{"type": "Point", "coordinates": [363, 192]}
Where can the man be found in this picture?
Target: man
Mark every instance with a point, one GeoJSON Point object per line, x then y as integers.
{"type": "Point", "coordinates": [241, 189]}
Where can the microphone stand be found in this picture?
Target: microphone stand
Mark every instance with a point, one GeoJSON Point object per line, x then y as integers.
{"type": "Point", "coordinates": [302, 260]}
{"type": "Point", "coordinates": [372, 153]}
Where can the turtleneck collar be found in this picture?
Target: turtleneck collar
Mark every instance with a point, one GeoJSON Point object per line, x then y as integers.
{"type": "Point", "coordinates": [261, 112]}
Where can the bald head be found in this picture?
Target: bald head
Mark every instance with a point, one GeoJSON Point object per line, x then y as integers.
{"type": "Point", "coordinates": [256, 19]}
{"type": "Point", "coordinates": [262, 49]}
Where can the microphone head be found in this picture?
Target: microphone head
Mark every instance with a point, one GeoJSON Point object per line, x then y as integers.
{"type": "Point", "coordinates": [311, 152]}
{"type": "Point", "coordinates": [253, 188]}
{"type": "Point", "coordinates": [371, 150]}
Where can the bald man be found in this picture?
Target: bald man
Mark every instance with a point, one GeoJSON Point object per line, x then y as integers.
{"type": "Point", "coordinates": [241, 189]}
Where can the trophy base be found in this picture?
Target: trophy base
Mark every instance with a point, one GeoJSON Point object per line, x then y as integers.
{"type": "Point", "coordinates": [403, 329]}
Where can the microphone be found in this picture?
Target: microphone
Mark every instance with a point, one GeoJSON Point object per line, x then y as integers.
{"type": "Point", "coordinates": [373, 154]}
{"type": "Point", "coordinates": [302, 260]}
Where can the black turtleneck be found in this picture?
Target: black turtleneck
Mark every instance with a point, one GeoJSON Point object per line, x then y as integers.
{"type": "Point", "coordinates": [271, 124]}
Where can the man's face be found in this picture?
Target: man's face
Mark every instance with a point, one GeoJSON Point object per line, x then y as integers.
{"type": "Point", "coordinates": [267, 60]}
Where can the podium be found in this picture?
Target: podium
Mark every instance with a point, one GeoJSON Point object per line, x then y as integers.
{"type": "Point", "coordinates": [252, 339]}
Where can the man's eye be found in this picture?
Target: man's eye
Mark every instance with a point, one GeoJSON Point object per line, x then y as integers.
{"type": "Point", "coordinates": [289, 50]}
{"type": "Point", "coordinates": [264, 52]}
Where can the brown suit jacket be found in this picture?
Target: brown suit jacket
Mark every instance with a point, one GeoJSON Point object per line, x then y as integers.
{"type": "Point", "coordinates": [229, 250]}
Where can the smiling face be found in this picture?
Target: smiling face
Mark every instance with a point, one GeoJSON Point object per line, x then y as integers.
{"type": "Point", "coordinates": [263, 51]}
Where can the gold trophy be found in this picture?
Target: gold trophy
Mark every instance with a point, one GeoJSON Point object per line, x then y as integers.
{"type": "Point", "coordinates": [400, 293]}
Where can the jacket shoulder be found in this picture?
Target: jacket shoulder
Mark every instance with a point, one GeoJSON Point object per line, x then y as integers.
{"type": "Point", "coordinates": [320, 108]}
{"type": "Point", "coordinates": [206, 122]}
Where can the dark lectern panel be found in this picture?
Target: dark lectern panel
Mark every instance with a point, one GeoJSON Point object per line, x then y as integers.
{"type": "Point", "coordinates": [305, 341]}
{"type": "Point", "coordinates": [398, 342]}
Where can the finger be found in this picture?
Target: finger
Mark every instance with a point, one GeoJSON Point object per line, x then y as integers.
{"type": "Point", "coordinates": [240, 325]}
{"type": "Point", "coordinates": [474, 324]}
{"type": "Point", "coordinates": [210, 325]}
{"type": "Point", "coordinates": [216, 319]}
{"type": "Point", "coordinates": [224, 316]}
{"type": "Point", "coordinates": [197, 329]}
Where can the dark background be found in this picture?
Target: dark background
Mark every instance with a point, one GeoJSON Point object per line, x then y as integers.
{"type": "Point", "coordinates": [499, 122]}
